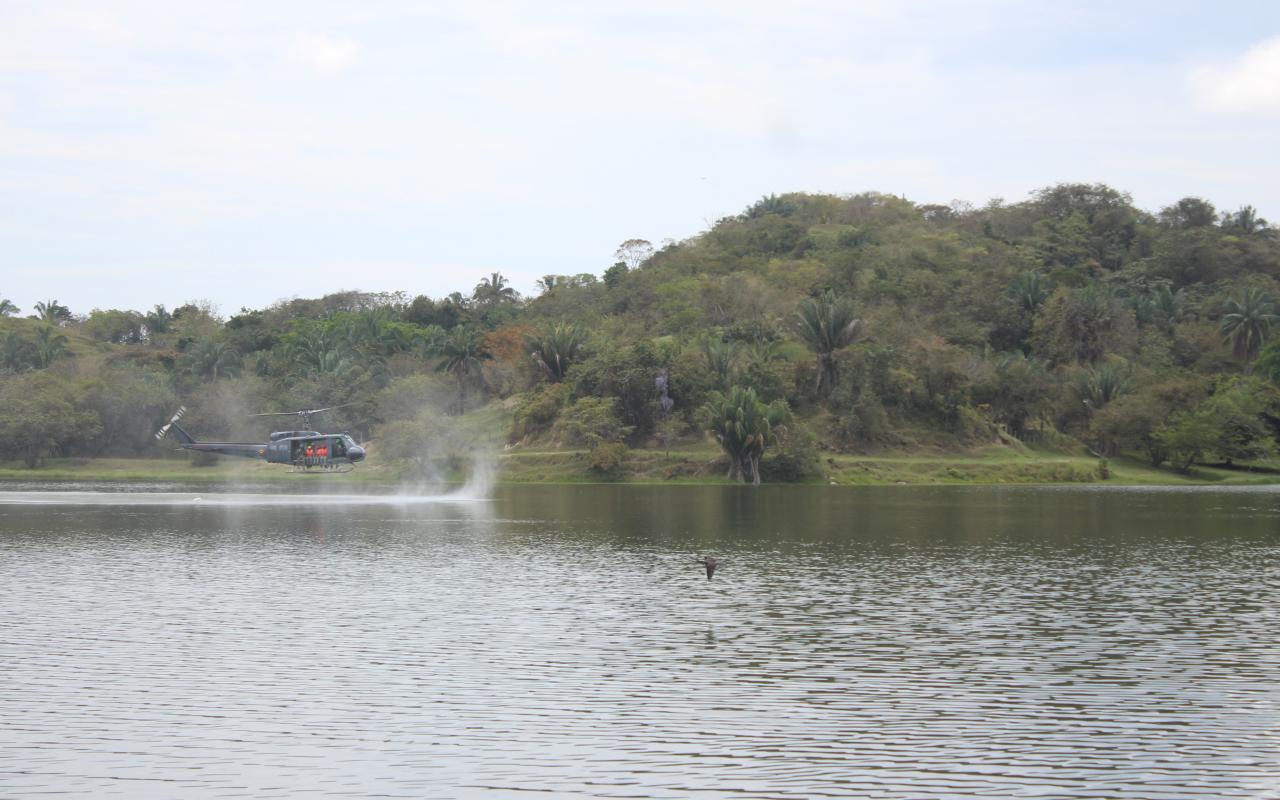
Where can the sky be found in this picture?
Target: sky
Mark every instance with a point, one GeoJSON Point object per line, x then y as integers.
{"type": "Point", "coordinates": [244, 153]}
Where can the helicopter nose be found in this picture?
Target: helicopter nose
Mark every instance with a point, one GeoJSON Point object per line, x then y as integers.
{"type": "Point", "coordinates": [355, 453]}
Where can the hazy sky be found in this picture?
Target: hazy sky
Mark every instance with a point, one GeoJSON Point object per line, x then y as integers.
{"type": "Point", "coordinates": [246, 152]}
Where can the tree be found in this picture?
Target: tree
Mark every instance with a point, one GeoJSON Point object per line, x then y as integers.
{"type": "Point", "coordinates": [827, 324]}
{"type": "Point", "coordinates": [158, 320]}
{"type": "Point", "coordinates": [1247, 322]}
{"type": "Point", "coordinates": [744, 426]}
{"type": "Point", "coordinates": [49, 346]}
{"type": "Point", "coordinates": [494, 290]}
{"type": "Point", "coordinates": [634, 252]}
{"type": "Point", "coordinates": [1163, 306]}
{"type": "Point", "coordinates": [52, 312]}
{"type": "Point", "coordinates": [721, 356]}
{"type": "Point", "coordinates": [42, 412]}
{"type": "Point", "coordinates": [1100, 385]}
{"type": "Point", "coordinates": [18, 352]}
{"type": "Point", "coordinates": [1245, 221]}
{"type": "Point", "coordinates": [460, 348]}
{"type": "Point", "coordinates": [1189, 212]}
{"type": "Point", "coordinates": [7, 308]}
{"type": "Point", "coordinates": [211, 358]}
{"type": "Point", "coordinates": [556, 348]}
{"type": "Point", "coordinates": [1229, 424]}
{"type": "Point", "coordinates": [1029, 290]}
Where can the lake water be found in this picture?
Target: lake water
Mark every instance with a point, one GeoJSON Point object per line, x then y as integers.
{"type": "Point", "coordinates": [900, 642]}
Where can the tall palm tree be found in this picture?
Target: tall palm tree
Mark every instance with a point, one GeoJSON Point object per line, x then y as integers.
{"type": "Point", "coordinates": [52, 312]}
{"type": "Point", "coordinates": [745, 426]}
{"type": "Point", "coordinates": [556, 348]}
{"type": "Point", "coordinates": [460, 348]}
{"type": "Point", "coordinates": [7, 308]}
{"type": "Point", "coordinates": [49, 346]}
{"type": "Point", "coordinates": [827, 324]}
{"type": "Point", "coordinates": [494, 290]}
{"type": "Point", "coordinates": [1247, 322]}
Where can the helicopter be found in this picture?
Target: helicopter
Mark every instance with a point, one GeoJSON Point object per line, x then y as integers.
{"type": "Point", "coordinates": [304, 450]}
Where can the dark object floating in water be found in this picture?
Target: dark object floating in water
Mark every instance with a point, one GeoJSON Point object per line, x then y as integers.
{"type": "Point", "coordinates": [710, 563]}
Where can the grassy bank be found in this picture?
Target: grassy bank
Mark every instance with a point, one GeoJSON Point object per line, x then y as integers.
{"type": "Point", "coordinates": [690, 465]}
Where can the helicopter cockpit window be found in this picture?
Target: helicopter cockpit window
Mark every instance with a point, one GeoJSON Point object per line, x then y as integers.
{"type": "Point", "coordinates": [339, 447]}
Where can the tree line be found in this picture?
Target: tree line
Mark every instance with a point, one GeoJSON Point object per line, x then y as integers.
{"type": "Point", "coordinates": [806, 323]}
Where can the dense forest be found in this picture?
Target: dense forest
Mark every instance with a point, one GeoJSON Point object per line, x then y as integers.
{"type": "Point", "coordinates": [808, 323]}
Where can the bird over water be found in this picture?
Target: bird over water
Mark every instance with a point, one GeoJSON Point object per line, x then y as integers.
{"type": "Point", "coordinates": [710, 563]}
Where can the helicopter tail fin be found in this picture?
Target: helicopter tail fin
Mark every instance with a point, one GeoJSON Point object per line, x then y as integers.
{"type": "Point", "coordinates": [182, 436]}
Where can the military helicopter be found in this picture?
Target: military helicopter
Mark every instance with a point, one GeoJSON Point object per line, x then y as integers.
{"type": "Point", "coordinates": [305, 450]}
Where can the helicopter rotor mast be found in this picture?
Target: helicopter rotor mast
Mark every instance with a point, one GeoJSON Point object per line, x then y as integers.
{"type": "Point", "coordinates": [304, 414]}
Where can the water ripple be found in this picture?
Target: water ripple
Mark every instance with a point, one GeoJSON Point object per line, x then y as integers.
{"type": "Point", "coordinates": [560, 642]}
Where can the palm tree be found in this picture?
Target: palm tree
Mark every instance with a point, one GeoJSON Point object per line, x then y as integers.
{"type": "Point", "coordinates": [208, 358]}
{"type": "Point", "coordinates": [827, 324]}
{"type": "Point", "coordinates": [494, 290]}
{"type": "Point", "coordinates": [1105, 383]}
{"type": "Point", "coordinates": [52, 312]}
{"type": "Point", "coordinates": [745, 426]}
{"type": "Point", "coordinates": [462, 358]}
{"type": "Point", "coordinates": [1163, 306]}
{"type": "Point", "coordinates": [1247, 322]}
{"type": "Point", "coordinates": [720, 356]}
{"type": "Point", "coordinates": [1029, 290]}
{"type": "Point", "coordinates": [556, 348]}
{"type": "Point", "coordinates": [7, 308]}
{"type": "Point", "coordinates": [49, 346]}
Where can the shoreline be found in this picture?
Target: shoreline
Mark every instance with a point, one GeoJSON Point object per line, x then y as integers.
{"type": "Point", "coordinates": [650, 468]}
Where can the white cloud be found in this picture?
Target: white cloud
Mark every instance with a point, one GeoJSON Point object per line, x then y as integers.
{"type": "Point", "coordinates": [323, 54]}
{"type": "Point", "coordinates": [1251, 83]}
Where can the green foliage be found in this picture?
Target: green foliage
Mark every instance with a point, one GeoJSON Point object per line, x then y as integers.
{"type": "Point", "coordinates": [1246, 322]}
{"type": "Point", "coordinates": [592, 420]}
{"type": "Point", "coordinates": [52, 312]}
{"type": "Point", "coordinates": [1082, 325]}
{"type": "Point", "coordinates": [1100, 385]}
{"type": "Point", "coordinates": [7, 308]}
{"type": "Point", "coordinates": [968, 320]}
{"type": "Point", "coordinates": [1029, 290]}
{"type": "Point", "coordinates": [744, 426]}
{"type": "Point", "coordinates": [607, 459]}
{"type": "Point", "coordinates": [556, 348]}
{"type": "Point", "coordinates": [1228, 425]}
{"type": "Point", "coordinates": [48, 346]}
{"type": "Point", "coordinates": [44, 414]}
{"type": "Point", "coordinates": [538, 410]}
{"type": "Point", "coordinates": [121, 327]}
{"type": "Point", "coordinates": [827, 324]}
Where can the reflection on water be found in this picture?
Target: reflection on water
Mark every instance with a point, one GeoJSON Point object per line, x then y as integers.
{"type": "Point", "coordinates": [905, 642]}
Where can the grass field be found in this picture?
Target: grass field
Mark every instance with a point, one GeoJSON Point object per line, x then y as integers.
{"type": "Point", "coordinates": [687, 464]}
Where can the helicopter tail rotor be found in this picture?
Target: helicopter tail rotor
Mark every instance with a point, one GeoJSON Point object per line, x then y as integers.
{"type": "Point", "coordinates": [172, 421]}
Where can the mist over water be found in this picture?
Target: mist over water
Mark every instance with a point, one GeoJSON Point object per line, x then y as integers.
{"type": "Point", "coordinates": [898, 643]}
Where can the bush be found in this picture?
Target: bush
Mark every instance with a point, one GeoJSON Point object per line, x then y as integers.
{"type": "Point", "coordinates": [607, 459]}
{"type": "Point", "coordinates": [538, 411]}
{"type": "Point", "coordinates": [794, 458]}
